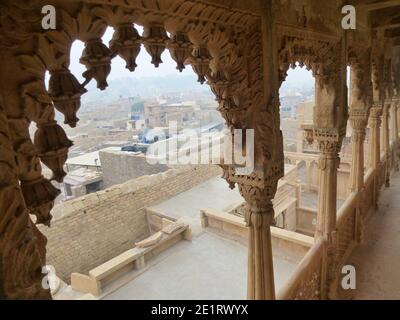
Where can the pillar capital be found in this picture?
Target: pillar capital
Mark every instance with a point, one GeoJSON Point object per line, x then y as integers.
{"type": "Point", "coordinates": [375, 117]}
{"type": "Point", "coordinates": [259, 198]}
{"type": "Point", "coordinates": [329, 140]}
{"type": "Point", "coordinates": [376, 111]}
{"type": "Point", "coordinates": [386, 107]}
{"type": "Point", "coordinates": [358, 119]}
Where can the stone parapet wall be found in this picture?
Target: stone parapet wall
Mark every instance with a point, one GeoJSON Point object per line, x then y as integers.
{"type": "Point", "coordinates": [92, 229]}
{"type": "Point", "coordinates": [118, 166]}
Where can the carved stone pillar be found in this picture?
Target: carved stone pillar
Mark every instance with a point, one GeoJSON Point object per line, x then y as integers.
{"type": "Point", "coordinates": [329, 148]}
{"type": "Point", "coordinates": [374, 147]}
{"type": "Point", "coordinates": [259, 217]}
{"type": "Point", "coordinates": [358, 121]}
{"type": "Point", "coordinates": [398, 116]}
{"type": "Point", "coordinates": [329, 144]}
{"type": "Point", "coordinates": [385, 141]}
{"type": "Point", "coordinates": [394, 134]}
{"type": "Point", "coordinates": [393, 122]}
{"type": "Point", "coordinates": [397, 108]}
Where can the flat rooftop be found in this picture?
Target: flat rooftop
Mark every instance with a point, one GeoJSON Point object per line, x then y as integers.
{"type": "Point", "coordinates": [82, 176]}
{"type": "Point", "coordinates": [90, 158]}
{"type": "Point", "coordinates": [212, 194]}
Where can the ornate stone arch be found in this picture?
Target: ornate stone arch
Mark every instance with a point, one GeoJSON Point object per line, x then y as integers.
{"type": "Point", "coordinates": [321, 55]}
{"type": "Point", "coordinates": [317, 55]}
{"type": "Point", "coordinates": [223, 46]}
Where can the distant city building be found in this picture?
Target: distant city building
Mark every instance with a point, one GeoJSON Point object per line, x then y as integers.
{"type": "Point", "coordinates": [137, 110]}
{"type": "Point", "coordinates": [159, 115]}
{"type": "Point", "coordinates": [138, 124]}
{"type": "Point", "coordinates": [82, 181]}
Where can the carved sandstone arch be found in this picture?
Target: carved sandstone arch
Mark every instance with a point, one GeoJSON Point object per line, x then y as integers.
{"type": "Point", "coordinates": [221, 44]}
{"type": "Point", "coordinates": [325, 57]}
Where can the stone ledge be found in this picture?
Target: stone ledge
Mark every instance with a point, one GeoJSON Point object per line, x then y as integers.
{"type": "Point", "coordinates": [132, 259]}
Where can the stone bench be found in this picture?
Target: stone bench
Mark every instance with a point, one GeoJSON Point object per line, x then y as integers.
{"type": "Point", "coordinates": [130, 260]}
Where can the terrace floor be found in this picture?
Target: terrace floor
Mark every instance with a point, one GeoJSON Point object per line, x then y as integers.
{"type": "Point", "coordinates": [377, 261]}
{"type": "Point", "coordinates": [309, 199]}
{"type": "Point", "coordinates": [208, 267]}
{"type": "Point", "coordinates": [213, 193]}
{"type": "Point", "coordinates": [211, 266]}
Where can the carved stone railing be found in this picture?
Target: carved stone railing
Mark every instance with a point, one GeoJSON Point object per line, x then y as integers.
{"type": "Point", "coordinates": [309, 279]}
{"type": "Point", "coordinates": [306, 281]}
{"type": "Point", "coordinates": [368, 198]}
{"type": "Point", "coordinates": [346, 228]}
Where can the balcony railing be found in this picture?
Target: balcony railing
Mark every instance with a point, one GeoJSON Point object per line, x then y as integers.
{"type": "Point", "coordinates": [315, 278]}
{"type": "Point", "coordinates": [306, 281]}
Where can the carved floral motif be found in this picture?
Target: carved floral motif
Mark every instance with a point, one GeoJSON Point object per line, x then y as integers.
{"type": "Point", "coordinates": [97, 59]}
{"type": "Point", "coordinates": [66, 92]}
{"type": "Point", "coordinates": [52, 144]}
{"type": "Point", "coordinates": [126, 42]}
{"type": "Point", "coordinates": [180, 48]}
{"type": "Point", "coordinates": [154, 39]}
{"type": "Point", "coordinates": [200, 62]}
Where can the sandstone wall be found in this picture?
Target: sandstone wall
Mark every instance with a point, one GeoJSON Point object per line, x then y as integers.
{"type": "Point", "coordinates": [90, 230]}
{"type": "Point", "coordinates": [120, 166]}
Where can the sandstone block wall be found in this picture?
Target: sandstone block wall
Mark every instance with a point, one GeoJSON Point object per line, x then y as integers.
{"type": "Point", "coordinates": [119, 167]}
{"type": "Point", "coordinates": [90, 230]}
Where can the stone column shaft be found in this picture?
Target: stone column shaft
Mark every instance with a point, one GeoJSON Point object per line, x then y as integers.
{"type": "Point", "coordinates": [398, 117]}
{"type": "Point", "coordinates": [357, 164]}
{"type": "Point", "coordinates": [394, 123]}
{"type": "Point", "coordinates": [385, 128]}
{"type": "Point", "coordinates": [259, 217]}
{"type": "Point", "coordinates": [386, 141]}
{"type": "Point", "coordinates": [327, 187]}
{"type": "Point", "coordinates": [260, 284]}
{"type": "Point", "coordinates": [395, 134]}
{"type": "Point", "coordinates": [374, 147]}
{"type": "Point", "coordinates": [358, 120]}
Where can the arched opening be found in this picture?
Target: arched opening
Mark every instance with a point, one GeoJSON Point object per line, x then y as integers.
{"type": "Point", "coordinates": [344, 171]}
{"type": "Point", "coordinates": [124, 201]}
{"type": "Point", "coordinates": [297, 99]}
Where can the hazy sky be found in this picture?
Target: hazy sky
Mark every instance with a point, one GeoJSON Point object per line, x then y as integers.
{"type": "Point", "coordinates": [299, 75]}
{"type": "Point", "coordinates": [118, 70]}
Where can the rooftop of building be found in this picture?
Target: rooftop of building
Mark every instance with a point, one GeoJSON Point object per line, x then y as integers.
{"type": "Point", "coordinates": [90, 158]}
{"type": "Point", "coordinates": [82, 176]}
